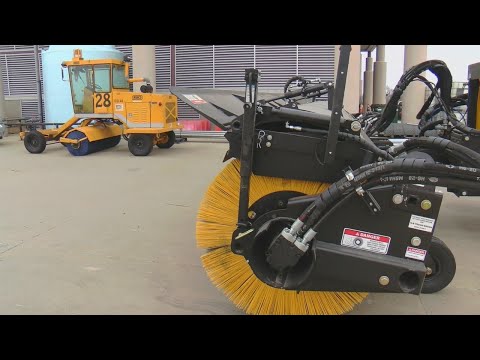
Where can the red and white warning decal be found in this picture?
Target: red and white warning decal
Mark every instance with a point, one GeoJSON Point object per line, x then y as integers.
{"type": "Point", "coordinates": [414, 253]}
{"type": "Point", "coordinates": [195, 99]}
{"type": "Point", "coordinates": [362, 240]}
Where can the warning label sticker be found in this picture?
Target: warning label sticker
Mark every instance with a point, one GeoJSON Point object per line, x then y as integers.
{"type": "Point", "coordinates": [365, 241]}
{"type": "Point", "coordinates": [421, 223]}
{"type": "Point", "coordinates": [414, 253]}
{"type": "Point", "coordinates": [195, 99]}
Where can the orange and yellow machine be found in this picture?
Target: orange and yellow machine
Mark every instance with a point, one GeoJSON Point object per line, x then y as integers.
{"type": "Point", "coordinates": [105, 110]}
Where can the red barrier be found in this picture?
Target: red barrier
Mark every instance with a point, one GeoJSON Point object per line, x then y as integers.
{"type": "Point", "coordinates": [198, 125]}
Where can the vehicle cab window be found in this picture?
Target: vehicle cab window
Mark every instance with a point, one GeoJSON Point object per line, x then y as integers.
{"type": "Point", "coordinates": [102, 78]}
{"type": "Point", "coordinates": [118, 77]}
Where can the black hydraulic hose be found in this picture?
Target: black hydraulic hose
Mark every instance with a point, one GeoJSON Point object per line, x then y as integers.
{"type": "Point", "coordinates": [437, 67]}
{"type": "Point", "coordinates": [398, 166]}
{"type": "Point", "coordinates": [439, 144]}
{"type": "Point", "coordinates": [291, 80]}
{"type": "Point", "coordinates": [444, 182]}
{"type": "Point", "coordinates": [430, 126]}
{"type": "Point", "coordinates": [366, 144]}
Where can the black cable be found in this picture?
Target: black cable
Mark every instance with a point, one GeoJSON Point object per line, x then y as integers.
{"type": "Point", "coordinates": [430, 126]}
{"type": "Point", "coordinates": [439, 144]}
{"type": "Point", "coordinates": [368, 145]}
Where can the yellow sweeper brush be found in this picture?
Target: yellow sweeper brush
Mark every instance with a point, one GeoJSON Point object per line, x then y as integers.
{"type": "Point", "coordinates": [217, 220]}
{"type": "Point", "coordinates": [303, 220]}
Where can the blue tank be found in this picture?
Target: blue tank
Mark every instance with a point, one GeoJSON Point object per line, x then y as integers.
{"type": "Point", "coordinates": [57, 96]}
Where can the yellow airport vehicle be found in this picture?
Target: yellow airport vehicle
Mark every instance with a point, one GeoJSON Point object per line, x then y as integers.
{"type": "Point", "coordinates": [105, 110]}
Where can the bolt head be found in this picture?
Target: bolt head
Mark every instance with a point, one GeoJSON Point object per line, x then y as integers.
{"type": "Point", "coordinates": [397, 199]}
{"type": "Point", "coordinates": [426, 204]}
{"type": "Point", "coordinates": [384, 280]}
{"type": "Point", "coordinates": [466, 138]}
{"type": "Point", "coordinates": [416, 241]}
{"type": "Point", "coordinates": [251, 214]}
{"type": "Point", "coordinates": [269, 137]}
{"type": "Point", "coordinates": [268, 144]}
{"type": "Point", "coordinates": [429, 271]}
{"type": "Point", "coordinates": [464, 193]}
{"type": "Point", "coordinates": [356, 126]}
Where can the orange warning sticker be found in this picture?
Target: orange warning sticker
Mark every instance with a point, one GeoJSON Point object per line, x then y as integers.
{"type": "Point", "coordinates": [363, 240]}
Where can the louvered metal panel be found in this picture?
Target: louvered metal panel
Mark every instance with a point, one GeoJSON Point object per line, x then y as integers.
{"type": "Point", "coordinates": [277, 63]}
{"type": "Point", "coordinates": [3, 64]}
{"type": "Point", "coordinates": [7, 47]}
{"type": "Point", "coordinates": [230, 64]}
{"type": "Point", "coordinates": [194, 65]}
{"type": "Point", "coordinates": [193, 68]}
{"type": "Point", "coordinates": [30, 109]}
{"type": "Point", "coordinates": [21, 74]}
{"type": "Point", "coordinates": [316, 61]}
{"type": "Point", "coordinates": [162, 67]}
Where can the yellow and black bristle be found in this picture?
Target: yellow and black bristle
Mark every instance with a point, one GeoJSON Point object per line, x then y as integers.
{"type": "Point", "coordinates": [216, 222]}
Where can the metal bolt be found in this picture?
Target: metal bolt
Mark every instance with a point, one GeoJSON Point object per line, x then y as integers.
{"type": "Point", "coordinates": [416, 241]}
{"type": "Point", "coordinates": [375, 210]}
{"type": "Point", "coordinates": [464, 193]}
{"type": "Point", "coordinates": [426, 204]}
{"type": "Point", "coordinates": [268, 144]}
{"type": "Point", "coordinates": [251, 214]}
{"type": "Point", "coordinates": [269, 137]}
{"type": "Point", "coordinates": [397, 199]}
{"type": "Point", "coordinates": [466, 138]}
{"type": "Point", "coordinates": [384, 280]}
{"type": "Point", "coordinates": [355, 126]}
{"type": "Point", "coordinates": [429, 271]}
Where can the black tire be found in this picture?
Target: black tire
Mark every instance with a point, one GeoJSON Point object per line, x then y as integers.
{"type": "Point", "coordinates": [442, 262]}
{"type": "Point", "coordinates": [34, 142]}
{"type": "Point", "coordinates": [140, 144]}
{"type": "Point", "coordinates": [170, 141]}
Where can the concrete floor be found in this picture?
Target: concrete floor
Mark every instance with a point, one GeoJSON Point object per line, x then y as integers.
{"type": "Point", "coordinates": [115, 234]}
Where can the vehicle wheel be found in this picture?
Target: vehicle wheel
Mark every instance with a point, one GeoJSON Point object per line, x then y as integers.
{"type": "Point", "coordinates": [168, 142]}
{"type": "Point", "coordinates": [442, 265]}
{"type": "Point", "coordinates": [140, 144]}
{"type": "Point", "coordinates": [35, 142]}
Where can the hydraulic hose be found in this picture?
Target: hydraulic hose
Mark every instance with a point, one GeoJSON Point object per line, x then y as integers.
{"type": "Point", "coordinates": [438, 144]}
{"type": "Point", "coordinates": [369, 145]}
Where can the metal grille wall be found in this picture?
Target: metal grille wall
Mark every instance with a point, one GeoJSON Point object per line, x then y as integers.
{"type": "Point", "coordinates": [19, 77]}
{"type": "Point", "coordinates": [219, 66]}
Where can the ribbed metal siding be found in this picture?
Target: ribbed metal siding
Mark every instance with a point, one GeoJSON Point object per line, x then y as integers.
{"type": "Point", "coordinates": [316, 61]}
{"type": "Point", "coordinates": [277, 63]}
{"type": "Point", "coordinates": [162, 67]}
{"type": "Point", "coordinates": [19, 76]}
{"type": "Point", "coordinates": [230, 64]}
{"type": "Point", "coordinates": [6, 83]}
{"type": "Point", "coordinates": [193, 68]}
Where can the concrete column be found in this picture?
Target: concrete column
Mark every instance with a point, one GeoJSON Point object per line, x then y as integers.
{"type": "Point", "coordinates": [380, 77]}
{"type": "Point", "coordinates": [2, 98]}
{"type": "Point", "coordinates": [143, 57]}
{"type": "Point", "coordinates": [351, 99]}
{"type": "Point", "coordinates": [368, 83]}
{"type": "Point", "coordinates": [413, 97]}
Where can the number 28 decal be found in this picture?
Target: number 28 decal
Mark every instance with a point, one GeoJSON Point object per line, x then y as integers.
{"type": "Point", "coordinates": [103, 100]}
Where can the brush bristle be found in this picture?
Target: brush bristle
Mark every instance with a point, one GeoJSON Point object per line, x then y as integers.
{"type": "Point", "coordinates": [216, 221]}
